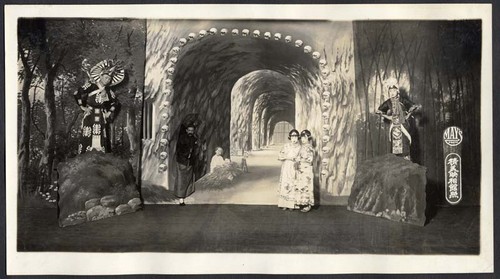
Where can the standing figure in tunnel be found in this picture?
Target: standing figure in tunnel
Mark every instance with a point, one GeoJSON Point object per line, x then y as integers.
{"type": "Point", "coordinates": [244, 165]}
{"type": "Point", "coordinates": [288, 155]}
{"type": "Point", "coordinates": [304, 189]}
{"type": "Point", "coordinates": [398, 109]}
{"type": "Point", "coordinates": [185, 155]}
{"type": "Point", "coordinates": [99, 104]}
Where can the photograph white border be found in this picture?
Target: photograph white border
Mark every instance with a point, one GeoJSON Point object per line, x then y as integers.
{"type": "Point", "coordinates": [23, 263]}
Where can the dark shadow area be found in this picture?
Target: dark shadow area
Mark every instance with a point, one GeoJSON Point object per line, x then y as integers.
{"type": "Point", "coordinates": [432, 199]}
{"type": "Point", "coordinates": [156, 194]}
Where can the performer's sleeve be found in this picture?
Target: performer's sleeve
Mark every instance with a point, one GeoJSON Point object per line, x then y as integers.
{"type": "Point", "coordinates": [384, 107]}
{"type": "Point", "coordinates": [81, 97]}
{"type": "Point", "coordinates": [196, 149]}
{"type": "Point", "coordinates": [408, 104]}
{"type": "Point", "coordinates": [114, 106]}
{"type": "Point", "coordinates": [179, 145]}
{"type": "Point", "coordinates": [179, 149]}
{"type": "Point", "coordinates": [310, 155]}
{"type": "Point", "coordinates": [281, 155]}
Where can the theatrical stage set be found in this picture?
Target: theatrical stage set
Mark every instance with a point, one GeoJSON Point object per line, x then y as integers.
{"type": "Point", "coordinates": [249, 136]}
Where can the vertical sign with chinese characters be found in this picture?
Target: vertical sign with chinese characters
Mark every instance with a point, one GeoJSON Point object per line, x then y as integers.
{"type": "Point", "coordinates": [452, 139]}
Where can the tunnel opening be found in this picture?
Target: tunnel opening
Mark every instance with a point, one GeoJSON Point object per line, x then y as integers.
{"type": "Point", "coordinates": [279, 133]}
{"type": "Point", "coordinates": [255, 99]}
{"type": "Point", "coordinates": [196, 74]}
{"type": "Point", "coordinates": [267, 75]}
{"type": "Point", "coordinates": [258, 99]}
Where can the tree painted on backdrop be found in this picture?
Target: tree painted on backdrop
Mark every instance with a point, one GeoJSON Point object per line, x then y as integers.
{"type": "Point", "coordinates": [30, 37]}
{"type": "Point", "coordinates": [50, 55]}
{"type": "Point", "coordinates": [437, 65]}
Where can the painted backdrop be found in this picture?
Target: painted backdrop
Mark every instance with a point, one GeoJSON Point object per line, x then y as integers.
{"type": "Point", "coordinates": [236, 79]}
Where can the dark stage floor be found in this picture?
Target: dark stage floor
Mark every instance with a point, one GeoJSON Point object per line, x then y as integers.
{"type": "Point", "coordinates": [257, 229]}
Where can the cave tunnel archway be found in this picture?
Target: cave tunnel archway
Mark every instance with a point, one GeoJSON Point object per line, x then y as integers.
{"type": "Point", "coordinates": [256, 97]}
{"type": "Point", "coordinates": [278, 135]}
{"type": "Point", "coordinates": [196, 74]}
{"type": "Point", "coordinates": [266, 105]}
{"type": "Point", "coordinates": [206, 73]}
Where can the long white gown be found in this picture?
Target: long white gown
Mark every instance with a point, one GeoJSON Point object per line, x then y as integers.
{"type": "Point", "coordinates": [286, 192]}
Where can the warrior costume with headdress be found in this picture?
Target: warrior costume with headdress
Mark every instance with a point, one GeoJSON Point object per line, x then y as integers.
{"type": "Point", "coordinates": [398, 109]}
{"type": "Point", "coordinates": [304, 188]}
{"type": "Point", "coordinates": [100, 105]}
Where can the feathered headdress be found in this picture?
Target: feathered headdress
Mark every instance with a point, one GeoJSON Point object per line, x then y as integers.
{"type": "Point", "coordinates": [391, 83]}
{"type": "Point", "coordinates": [108, 67]}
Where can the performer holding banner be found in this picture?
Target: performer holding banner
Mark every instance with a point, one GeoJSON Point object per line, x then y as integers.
{"type": "Point", "coordinates": [398, 109]}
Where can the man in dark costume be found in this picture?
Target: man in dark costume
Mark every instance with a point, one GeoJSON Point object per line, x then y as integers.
{"type": "Point", "coordinates": [185, 154]}
{"type": "Point", "coordinates": [397, 109]}
{"type": "Point", "coordinates": [99, 104]}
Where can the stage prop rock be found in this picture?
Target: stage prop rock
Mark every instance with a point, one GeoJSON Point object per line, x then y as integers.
{"type": "Point", "coordinates": [390, 187]}
{"type": "Point", "coordinates": [95, 186]}
{"type": "Point", "coordinates": [222, 178]}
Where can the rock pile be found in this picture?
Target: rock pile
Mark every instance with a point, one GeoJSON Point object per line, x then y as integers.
{"type": "Point", "coordinates": [95, 186]}
{"type": "Point", "coordinates": [390, 187]}
{"type": "Point", "coordinates": [223, 177]}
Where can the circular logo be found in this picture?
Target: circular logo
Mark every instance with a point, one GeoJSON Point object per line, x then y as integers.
{"type": "Point", "coordinates": [452, 136]}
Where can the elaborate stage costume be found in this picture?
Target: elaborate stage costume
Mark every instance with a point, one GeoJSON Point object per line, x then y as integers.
{"type": "Point", "coordinates": [397, 109]}
{"type": "Point", "coordinates": [399, 132]}
{"type": "Point", "coordinates": [100, 106]}
{"type": "Point", "coordinates": [304, 189]}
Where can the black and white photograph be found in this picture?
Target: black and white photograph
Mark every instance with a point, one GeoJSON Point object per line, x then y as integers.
{"type": "Point", "coordinates": [249, 139]}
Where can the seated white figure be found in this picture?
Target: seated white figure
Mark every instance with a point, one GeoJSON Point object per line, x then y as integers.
{"type": "Point", "coordinates": [217, 159]}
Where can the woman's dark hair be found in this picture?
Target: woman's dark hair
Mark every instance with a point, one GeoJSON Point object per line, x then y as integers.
{"type": "Point", "coordinates": [306, 133]}
{"type": "Point", "coordinates": [293, 132]}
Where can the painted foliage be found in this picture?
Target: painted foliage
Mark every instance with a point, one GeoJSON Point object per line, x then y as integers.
{"type": "Point", "coordinates": [437, 64]}
{"type": "Point", "coordinates": [51, 55]}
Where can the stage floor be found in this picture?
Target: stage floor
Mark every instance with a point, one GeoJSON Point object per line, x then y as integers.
{"type": "Point", "coordinates": [252, 229]}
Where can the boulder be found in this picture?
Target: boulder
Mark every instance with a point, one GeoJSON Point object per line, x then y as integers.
{"type": "Point", "coordinates": [91, 203]}
{"type": "Point", "coordinates": [123, 209]}
{"type": "Point", "coordinates": [75, 219]}
{"type": "Point", "coordinates": [92, 178]}
{"type": "Point", "coordinates": [390, 187]}
{"type": "Point", "coordinates": [221, 178]}
{"type": "Point", "coordinates": [135, 204]}
{"type": "Point", "coordinates": [109, 201]}
{"type": "Point", "coordinates": [99, 212]}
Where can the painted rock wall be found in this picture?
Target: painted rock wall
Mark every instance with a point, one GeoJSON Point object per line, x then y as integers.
{"type": "Point", "coordinates": [328, 110]}
{"type": "Point", "coordinates": [244, 96]}
{"type": "Point", "coordinates": [195, 69]}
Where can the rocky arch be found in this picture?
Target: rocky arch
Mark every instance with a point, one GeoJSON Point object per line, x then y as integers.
{"type": "Point", "coordinates": [200, 69]}
{"type": "Point", "coordinates": [251, 89]}
{"type": "Point", "coordinates": [273, 121]}
{"type": "Point", "coordinates": [266, 103]}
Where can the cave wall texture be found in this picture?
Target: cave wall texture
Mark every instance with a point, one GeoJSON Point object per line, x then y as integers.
{"type": "Point", "coordinates": [236, 87]}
